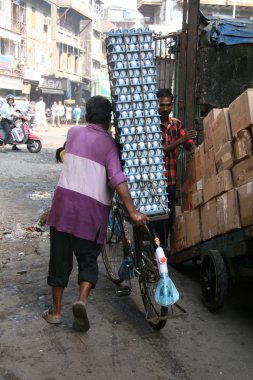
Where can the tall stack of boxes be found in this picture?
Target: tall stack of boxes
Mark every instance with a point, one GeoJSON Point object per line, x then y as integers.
{"type": "Point", "coordinates": [218, 191]}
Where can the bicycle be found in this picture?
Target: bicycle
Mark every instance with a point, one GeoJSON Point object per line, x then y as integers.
{"type": "Point", "coordinates": [124, 260]}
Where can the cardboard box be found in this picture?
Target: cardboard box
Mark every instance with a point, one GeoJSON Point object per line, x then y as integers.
{"type": "Point", "coordinates": [243, 172]}
{"type": "Point", "coordinates": [179, 241]}
{"type": "Point", "coordinates": [199, 155]}
{"type": "Point", "coordinates": [218, 184]}
{"type": "Point", "coordinates": [192, 223]}
{"type": "Point", "coordinates": [221, 132]}
{"type": "Point", "coordinates": [208, 217]}
{"type": "Point", "coordinates": [228, 215]}
{"type": "Point", "coordinates": [242, 144]}
{"type": "Point", "coordinates": [210, 117]}
{"type": "Point", "coordinates": [245, 194]}
{"type": "Point", "coordinates": [191, 171]}
{"type": "Point", "coordinates": [241, 112]}
{"type": "Point", "coordinates": [208, 137]}
{"type": "Point", "coordinates": [197, 198]}
{"type": "Point", "coordinates": [178, 211]}
{"type": "Point", "coordinates": [224, 181]}
{"type": "Point", "coordinates": [210, 166]}
{"type": "Point", "coordinates": [210, 188]}
{"type": "Point", "coordinates": [186, 194]}
{"type": "Point", "coordinates": [225, 157]}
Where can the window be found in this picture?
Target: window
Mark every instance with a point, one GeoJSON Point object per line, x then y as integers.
{"type": "Point", "coordinates": [1, 5]}
{"type": "Point", "coordinates": [33, 18]}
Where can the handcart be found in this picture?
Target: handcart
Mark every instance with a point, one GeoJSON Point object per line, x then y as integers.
{"type": "Point", "coordinates": [223, 258]}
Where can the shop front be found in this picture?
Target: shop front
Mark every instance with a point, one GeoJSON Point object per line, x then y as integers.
{"type": "Point", "coordinates": [52, 89]}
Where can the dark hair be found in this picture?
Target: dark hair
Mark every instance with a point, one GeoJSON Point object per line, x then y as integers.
{"type": "Point", "coordinates": [164, 93]}
{"type": "Point", "coordinates": [98, 110]}
{"type": "Point", "coordinates": [57, 153]}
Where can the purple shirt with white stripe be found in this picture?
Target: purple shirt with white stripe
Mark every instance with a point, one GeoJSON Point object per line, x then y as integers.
{"type": "Point", "coordinates": [91, 171]}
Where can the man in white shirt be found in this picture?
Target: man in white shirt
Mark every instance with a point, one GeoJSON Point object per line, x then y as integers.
{"type": "Point", "coordinates": [61, 112]}
{"type": "Point", "coordinates": [40, 115]}
{"type": "Point", "coordinates": [7, 113]}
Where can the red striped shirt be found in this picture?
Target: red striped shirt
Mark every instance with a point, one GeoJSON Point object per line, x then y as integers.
{"type": "Point", "coordinates": [171, 133]}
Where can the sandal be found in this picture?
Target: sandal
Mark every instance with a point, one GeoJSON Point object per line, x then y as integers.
{"type": "Point", "coordinates": [47, 315]}
{"type": "Point", "coordinates": [81, 322]}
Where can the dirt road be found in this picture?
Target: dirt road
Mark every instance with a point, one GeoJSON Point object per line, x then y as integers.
{"type": "Point", "coordinates": [120, 344]}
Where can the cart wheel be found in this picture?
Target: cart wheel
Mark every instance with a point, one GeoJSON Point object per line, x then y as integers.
{"type": "Point", "coordinates": [214, 282]}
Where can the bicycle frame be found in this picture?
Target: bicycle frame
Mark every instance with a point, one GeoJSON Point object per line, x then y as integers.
{"type": "Point", "coordinates": [126, 257]}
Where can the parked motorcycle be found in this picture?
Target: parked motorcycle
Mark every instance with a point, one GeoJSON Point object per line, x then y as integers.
{"type": "Point", "coordinates": [21, 134]}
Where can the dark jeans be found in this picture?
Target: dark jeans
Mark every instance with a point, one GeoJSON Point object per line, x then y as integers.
{"type": "Point", "coordinates": [62, 248]}
{"type": "Point", "coordinates": [164, 227]}
{"type": "Point", "coordinates": [6, 125]}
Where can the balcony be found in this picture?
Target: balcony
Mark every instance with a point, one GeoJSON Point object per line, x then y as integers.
{"type": "Point", "coordinates": [69, 38]}
{"type": "Point", "coordinates": [81, 6]}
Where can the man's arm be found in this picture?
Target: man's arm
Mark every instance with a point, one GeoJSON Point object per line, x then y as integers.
{"type": "Point", "coordinates": [188, 135]}
{"type": "Point", "coordinates": [136, 216]}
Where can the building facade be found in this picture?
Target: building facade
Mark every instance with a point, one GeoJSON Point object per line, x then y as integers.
{"type": "Point", "coordinates": [50, 48]}
{"type": "Point", "coordinates": [165, 16]}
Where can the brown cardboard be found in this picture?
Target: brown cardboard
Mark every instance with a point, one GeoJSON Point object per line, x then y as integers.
{"type": "Point", "coordinates": [186, 193]}
{"type": "Point", "coordinates": [210, 166]}
{"type": "Point", "coordinates": [224, 181]}
{"type": "Point", "coordinates": [210, 117]}
{"type": "Point", "coordinates": [191, 171]}
{"type": "Point", "coordinates": [243, 172]}
{"type": "Point", "coordinates": [242, 144]}
{"type": "Point", "coordinates": [192, 223]}
{"type": "Point", "coordinates": [241, 112]}
{"type": "Point", "coordinates": [221, 132]}
{"type": "Point", "coordinates": [179, 241]}
{"type": "Point", "coordinates": [228, 215]}
{"type": "Point", "coordinates": [225, 157]}
{"type": "Point", "coordinates": [208, 217]}
{"type": "Point", "coordinates": [197, 198]}
{"type": "Point", "coordinates": [199, 155]}
{"type": "Point", "coordinates": [218, 184]}
{"type": "Point", "coordinates": [210, 188]}
{"type": "Point", "coordinates": [208, 138]}
{"type": "Point", "coordinates": [178, 210]}
{"type": "Point", "coordinates": [245, 194]}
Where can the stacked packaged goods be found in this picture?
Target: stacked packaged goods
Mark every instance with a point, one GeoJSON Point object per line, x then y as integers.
{"type": "Point", "coordinates": [219, 189]}
{"type": "Point", "coordinates": [133, 84]}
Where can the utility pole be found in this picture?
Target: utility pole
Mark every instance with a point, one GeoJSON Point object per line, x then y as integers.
{"type": "Point", "coordinates": [191, 63]}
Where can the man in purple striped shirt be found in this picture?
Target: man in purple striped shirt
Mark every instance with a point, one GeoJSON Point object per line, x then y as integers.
{"type": "Point", "coordinates": [79, 214]}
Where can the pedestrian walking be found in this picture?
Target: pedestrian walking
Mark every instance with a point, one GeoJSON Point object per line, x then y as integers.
{"type": "Point", "coordinates": [68, 110]}
{"type": "Point", "coordinates": [79, 213]}
{"type": "Point", "coordinates": [77, 114]}
{"type": "Point", "coordinates": [55, 117]}
{"type": "Point", "coordinates": [40, 115]}
{"type": "Point", "coordinates": [61, 112]}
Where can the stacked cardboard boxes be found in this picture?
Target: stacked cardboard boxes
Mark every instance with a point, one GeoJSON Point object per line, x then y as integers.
{"type": "Point", "coordinates": [220, 199]}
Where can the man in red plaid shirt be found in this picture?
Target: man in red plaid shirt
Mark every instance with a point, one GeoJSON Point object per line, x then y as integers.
{"type": "Point", "coordinates": [173, 135]}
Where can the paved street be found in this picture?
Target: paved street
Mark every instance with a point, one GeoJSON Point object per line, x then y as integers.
{"type": "Point", "coordinates": [120, 344]}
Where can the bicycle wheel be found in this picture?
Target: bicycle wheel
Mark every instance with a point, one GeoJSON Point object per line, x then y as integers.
{"type": "Point", "coordinates": [113, 249]}
{"type": "Point", "coordinates": [156, 315]}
